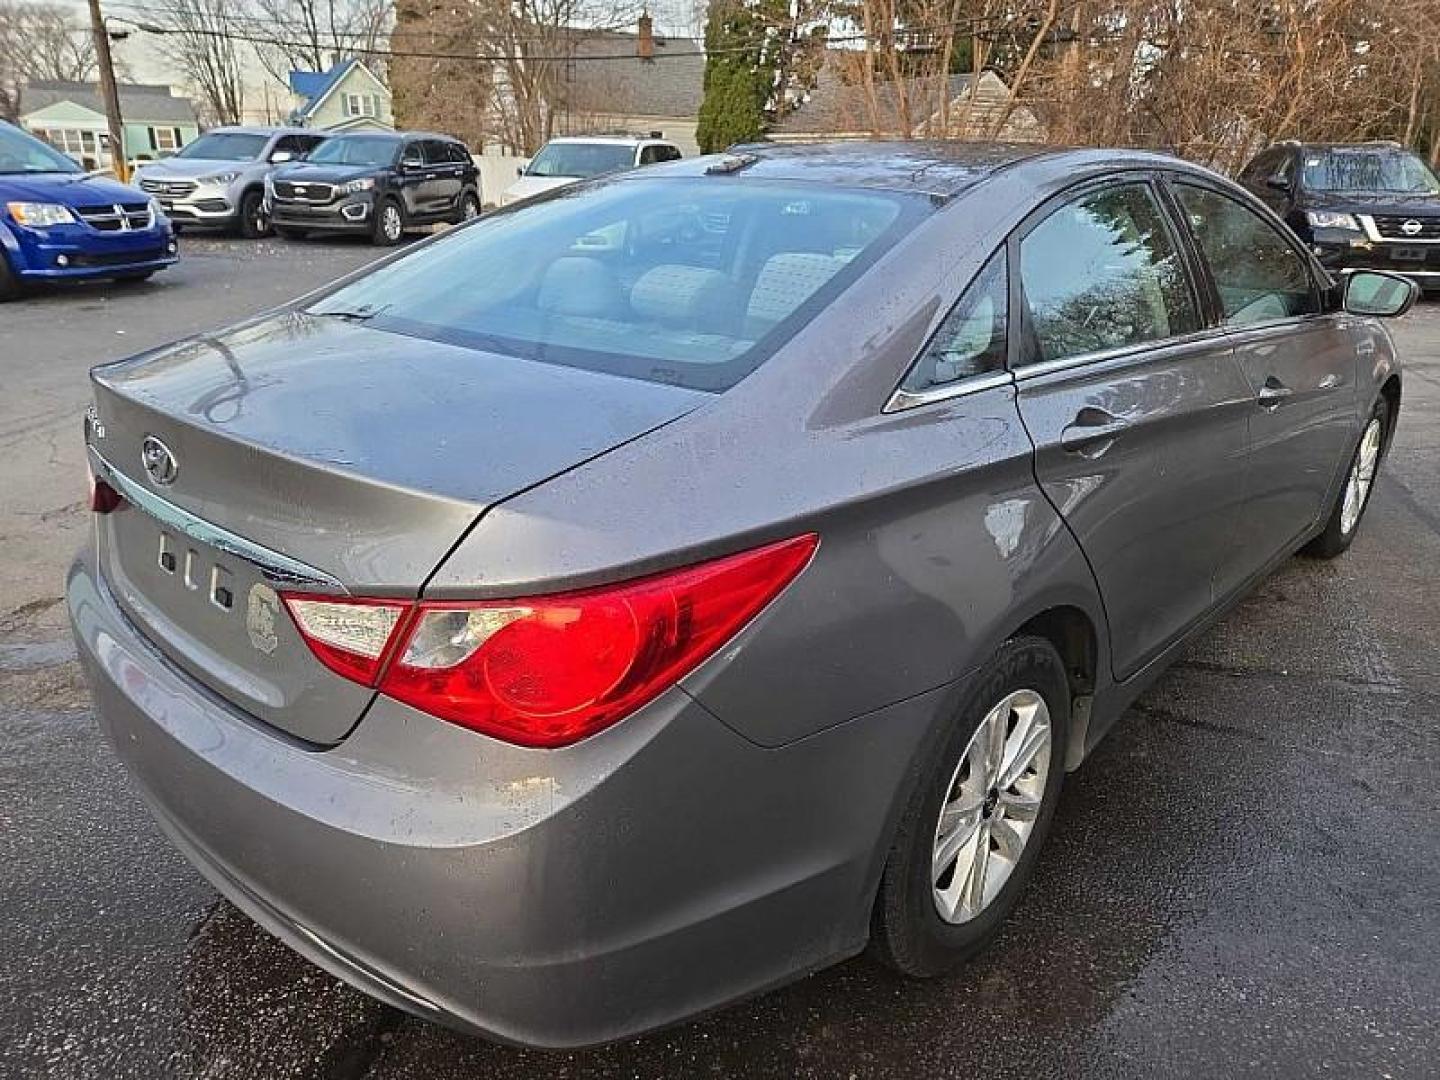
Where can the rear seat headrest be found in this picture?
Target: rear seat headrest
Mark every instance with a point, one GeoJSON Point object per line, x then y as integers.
{"type": "Point", "coordinates": [579, 285]}
{"type": "Point", "coordinates": [678, 295]}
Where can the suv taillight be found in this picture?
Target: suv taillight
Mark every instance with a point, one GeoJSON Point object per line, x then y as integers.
{"type": "Point", "coordinates": [548, 671]}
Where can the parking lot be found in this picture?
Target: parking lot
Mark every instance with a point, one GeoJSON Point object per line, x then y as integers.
{"type": "Point", "coordinates": [1244, 880]}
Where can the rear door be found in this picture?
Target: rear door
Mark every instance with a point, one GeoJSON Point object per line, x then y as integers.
{"type": "Point", "coordinates": [1138, 411]}
{"type": "Point", "coordinates": [445, 177]}
{"type": "Point", "coordinates": [1299, 361]}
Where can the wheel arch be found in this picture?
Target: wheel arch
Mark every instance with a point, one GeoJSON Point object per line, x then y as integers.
{"type": "Point", "coordinates": [1076, 637]}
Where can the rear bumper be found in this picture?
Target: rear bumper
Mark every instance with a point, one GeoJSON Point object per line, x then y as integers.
{"type": "Point", "coordinates": [548, 898]}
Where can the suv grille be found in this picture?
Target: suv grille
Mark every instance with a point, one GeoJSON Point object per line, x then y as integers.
{"type": "Point", "coordinates": [1392, 227]}
{"type": "Point", "coordinates": [119, 217]}
{"type": "Point", "coordinates": [309, 193]}
{"type": "Point", "coordinates": [171, 189]}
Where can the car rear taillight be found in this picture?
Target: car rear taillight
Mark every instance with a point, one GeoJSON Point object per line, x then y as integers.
{"type": "Point", "coordinates": [549, 670]}
{"type": "Point", "coordinates": [103, 498]}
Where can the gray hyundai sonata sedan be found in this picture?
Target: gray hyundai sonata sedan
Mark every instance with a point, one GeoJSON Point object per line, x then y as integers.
{"type": "Point", "coordinates": [650, 593]}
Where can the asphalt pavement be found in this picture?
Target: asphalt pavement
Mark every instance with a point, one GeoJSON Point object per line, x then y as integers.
{"type": "Point", "coordinates": [1243, 881]}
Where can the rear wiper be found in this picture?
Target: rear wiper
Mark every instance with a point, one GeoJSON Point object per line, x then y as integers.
{"type": "Point", "coordinates": [358, 314]}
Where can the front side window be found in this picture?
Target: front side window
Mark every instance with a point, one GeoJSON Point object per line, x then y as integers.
{"type": "Point", "coordinates": [1259, 276]}
{"type": "Point", "coordinates": [971, 340]}
{"type": "Point", "coordinates": [692, 281]}
{"type": "Point", "coordinates": [1103, 272]}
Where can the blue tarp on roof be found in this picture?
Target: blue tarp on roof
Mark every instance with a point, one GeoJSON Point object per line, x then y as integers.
{"type": "Point", "coordinates": [313, 85]}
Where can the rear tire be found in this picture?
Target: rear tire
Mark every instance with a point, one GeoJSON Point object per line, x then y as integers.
{"type": "Point", "coordinates": [253, 222]}
{"type": "Point", "coordinates": [969, 839]}
{"type": "Point", "coordinates": [469, 208]}
{"type": "Point", "coordinates": [389, 227]}
{"type": "Point", "coordinates": [1359, 485]}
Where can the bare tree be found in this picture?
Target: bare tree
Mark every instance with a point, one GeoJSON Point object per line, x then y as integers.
{"type": "Point", "coordinates": [310, 35]}
{"type": "Point", "coordinates": [200, 39]}
{"type": "Point", "coordinates": [40, 41]}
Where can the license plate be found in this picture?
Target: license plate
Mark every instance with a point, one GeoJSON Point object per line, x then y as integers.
{"type": "Point", "coordinates": [1410, 254]}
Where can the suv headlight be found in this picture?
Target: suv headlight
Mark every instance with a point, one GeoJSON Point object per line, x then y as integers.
{"type": "Point", "coordinates": [365, 183]}
{"type": "Point", "coordinates": [37, 215]}
{"type": "Point", "coordinates": [220, 179]}
{"type": "Point", "coordinates": [1331, 219]}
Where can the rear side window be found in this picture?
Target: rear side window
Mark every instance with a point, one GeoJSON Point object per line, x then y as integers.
{"type": "Point", "coordinates": [971, 340]}
{"type": "Point", "coordinates": [458, 154]}
{"type": "Point", "coordinates": [1102, 273]}
{"type": "Point", "coordinates": [1259, 275]}
{"type": "Point", "coordinates": [691, 281]}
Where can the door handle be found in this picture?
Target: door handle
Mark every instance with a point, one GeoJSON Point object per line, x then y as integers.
{"type": "Point", "coordinates": [1273, 393]}
{"type": "Point", "coordinates": [1092, 432]}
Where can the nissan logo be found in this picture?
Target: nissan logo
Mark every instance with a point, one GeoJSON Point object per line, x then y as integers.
{"type": "Point", "coordinates": [160, 464]}
{"type": "Point", "coordinates": [1411, 228]}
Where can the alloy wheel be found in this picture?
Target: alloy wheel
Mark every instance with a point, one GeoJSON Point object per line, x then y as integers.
{"type": "Point", "coordinates": [390, 222]}
{"type": "Point", "coordinates": [1362, 477]}
{"type": "Point", "coordinates": [991, 806]}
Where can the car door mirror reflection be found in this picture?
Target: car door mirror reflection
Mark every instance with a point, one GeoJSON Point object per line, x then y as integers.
{"type": "Point", "coordinates": [1372, 292]}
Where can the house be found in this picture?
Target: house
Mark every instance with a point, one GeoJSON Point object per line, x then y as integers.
{"type": "Point", "coordinates": [71, 117]}
{"type": "Point", "coordinates": [348, 97]}
{"type": "Point", "coordinates": [653, 83]}
{"type": "Point", "coordinates": [843, 105]}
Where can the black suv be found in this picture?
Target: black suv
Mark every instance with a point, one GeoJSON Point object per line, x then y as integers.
{"type": "Point", "coordinates": [379, 183]}
{"type": "Point", "coordinates": [1359, 206]}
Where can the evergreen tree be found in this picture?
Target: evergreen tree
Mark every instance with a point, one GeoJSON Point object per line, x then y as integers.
{"type": "Point", "coordinates": [739, 75]}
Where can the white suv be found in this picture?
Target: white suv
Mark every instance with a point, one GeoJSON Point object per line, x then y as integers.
{"type": "Point", "coordinates": [564, 161]}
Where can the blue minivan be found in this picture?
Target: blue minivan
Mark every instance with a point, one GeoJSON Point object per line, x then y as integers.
{"type": "Point", "coordinates": [60, 223]}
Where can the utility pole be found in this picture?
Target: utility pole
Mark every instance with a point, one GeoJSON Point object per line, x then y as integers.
{"type": "Point", "coordinates": [108, 93]}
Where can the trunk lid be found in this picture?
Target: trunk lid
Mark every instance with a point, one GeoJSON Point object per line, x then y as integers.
{"type": "Point", "coordinates": [322, 449]}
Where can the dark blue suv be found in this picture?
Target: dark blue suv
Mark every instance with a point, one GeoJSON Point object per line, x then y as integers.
{"type": "Point", "coordinates": [58, 223]}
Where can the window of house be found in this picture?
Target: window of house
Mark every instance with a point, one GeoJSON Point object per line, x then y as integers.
{"type": "Point", "coordinates": [971, 340]}
{"type": "Point", "coordinates": [361, 105]}
{"type": "Point", "coordinates": [1103, 272]}
{"type": "Point", "coordinates": [162, 138]}
{"type": "Point", "coordinates": [1258, 274]}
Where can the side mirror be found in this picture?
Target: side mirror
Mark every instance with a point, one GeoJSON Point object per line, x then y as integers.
{"type": "Point", "coordinates": [410, 165]}
{"type": "Point", "coordinates": [280, 157]}
{"type": "Point", "coordinates": [519, 170]}
{"type": "Point", "coordinates": [1278, 181]}
{"type": "Point", "coordinates": [1374, 292]}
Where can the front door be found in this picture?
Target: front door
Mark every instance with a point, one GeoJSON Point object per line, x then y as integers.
{"type": "Point", "coordinates": [1299, 363]}
{"type": "Point", "coordinates": [1138, 413]}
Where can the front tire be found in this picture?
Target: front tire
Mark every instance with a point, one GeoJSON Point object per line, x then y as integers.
{"type": "Point", "coordinates": [389, 223]}
{"type": "Point", "coordinates": [969, 839]}
{"type": "Point", "coordinates": [9, 283]}
{"type": "Point", "coordinates": [253, 222]}
{"type": "Point", "coordinates": [1353, 498]}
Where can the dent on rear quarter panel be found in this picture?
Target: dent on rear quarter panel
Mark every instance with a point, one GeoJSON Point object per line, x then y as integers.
{"type": "Point", "coordinates": [935, 542]}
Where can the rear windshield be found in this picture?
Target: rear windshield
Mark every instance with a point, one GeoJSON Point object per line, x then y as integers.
{"type": "Point", "coordinates": [581, 159]}
{"type": "Point", "coordinates": [693, 282]}
{"type": "Point", "coordinates": [355, 150]}
{"type": "Point", "coordinates": [1390, 171]}
{"type": "Point", "coordinates": [226, 146]}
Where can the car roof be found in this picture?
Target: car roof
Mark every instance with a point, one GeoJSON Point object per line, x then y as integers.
{"type": "Point", "coordinates": [247, 129]}
{"type": "Point", "coordinates": [611, 140]}
{"type": "Point", "coordinates": [942, 168]}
